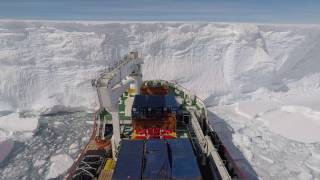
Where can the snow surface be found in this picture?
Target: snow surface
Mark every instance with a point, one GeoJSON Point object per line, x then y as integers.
{"type": "Point", "coordinates": [262, 80]}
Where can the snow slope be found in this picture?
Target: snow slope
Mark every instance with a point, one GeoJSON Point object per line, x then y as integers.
{"type": "Point", "coordinates": [264, 80]}
{"type": "Point", "coordinates": [50, 63]}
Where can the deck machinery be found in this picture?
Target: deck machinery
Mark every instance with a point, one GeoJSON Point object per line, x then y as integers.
{"type": "Point", "coordinates": [149, 130]}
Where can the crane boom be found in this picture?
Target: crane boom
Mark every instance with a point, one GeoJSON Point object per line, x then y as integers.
{"type": "Point", "coordinates": [112, 84]}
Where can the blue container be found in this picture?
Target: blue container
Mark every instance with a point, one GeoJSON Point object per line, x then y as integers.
{"type": "Point", "coordinates": [156, 164]}
{"type": "Point", "coordinates": [170, 102]}
{"type": "Point", "coordinates": [146, 106]}
{"type": "Point", "coordinates": [130, 159]}
{"type": "Point", "coordinates": [183, 161]}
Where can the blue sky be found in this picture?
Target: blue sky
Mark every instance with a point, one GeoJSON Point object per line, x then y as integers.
{"type": "Point", "coordinates": [262, 11]}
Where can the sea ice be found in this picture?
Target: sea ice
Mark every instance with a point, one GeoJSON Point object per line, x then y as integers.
{"type": "Point", "coordinates": [59, 164]}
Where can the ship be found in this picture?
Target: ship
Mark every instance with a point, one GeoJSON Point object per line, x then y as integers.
{"type": "Point", "coordinates": [153, 129]}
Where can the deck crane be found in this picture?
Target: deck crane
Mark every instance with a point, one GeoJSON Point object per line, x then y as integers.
{"type": "Point", "coordinates": [111, 85]}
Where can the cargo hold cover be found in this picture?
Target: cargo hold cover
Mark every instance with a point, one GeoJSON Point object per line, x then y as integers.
{"type": "Point", "coordinates": [129, 163]}
{"type": "Point", "coordinates": [157, 164]}
{"type": "Point", "coordinates": [184, 164]}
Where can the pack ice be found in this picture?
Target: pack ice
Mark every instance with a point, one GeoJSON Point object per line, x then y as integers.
{"type": "Point", "coordinates": [262, 80]}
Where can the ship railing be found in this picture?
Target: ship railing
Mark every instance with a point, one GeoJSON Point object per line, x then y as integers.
{"type": "Point", "coordinates": [77, 161]}
{"type": "Point", "coordinates": [215, 156]}
{"type": "Point", "coordinates": [227, 155]}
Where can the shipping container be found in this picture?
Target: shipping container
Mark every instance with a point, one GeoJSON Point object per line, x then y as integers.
{"type": "Point", "coordinates": [183, 161]}
{"type": "Point", "coordinates": [157, 163]}
{"type": "Point", "coordinates": [152, 106]}
{"type": "Point", "coordinates": [130, 159]}
{"type": "Point", "coordinates": [164, 123]}
{"type": "Point", "coordinates": [151, 88]}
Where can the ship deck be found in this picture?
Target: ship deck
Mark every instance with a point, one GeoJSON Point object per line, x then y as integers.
{"type": "Point", "coordinates": [189, 125]}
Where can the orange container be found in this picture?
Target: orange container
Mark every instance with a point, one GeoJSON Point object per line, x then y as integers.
{"type": "Point", "coordinates": [150, 90]}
